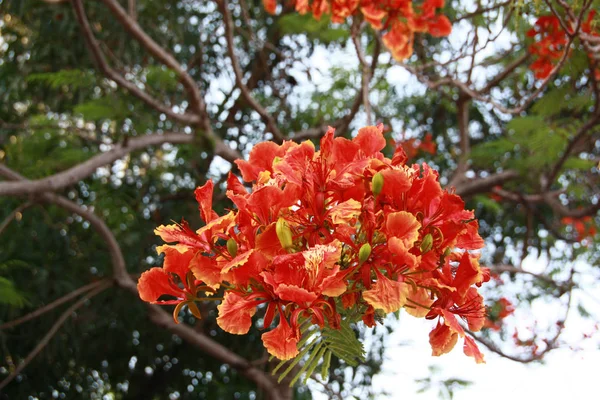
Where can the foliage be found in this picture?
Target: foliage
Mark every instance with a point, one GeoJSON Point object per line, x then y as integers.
{"type": "Point", "coordinates": [532, 129]}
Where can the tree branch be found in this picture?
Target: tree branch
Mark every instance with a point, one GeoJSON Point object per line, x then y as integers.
{"type": "Point", "coordinates": [51, 306]}
{"type": "Point", "coordinates": [12, 216]}
{"type": "Point", "coordinates": [80, 171]}
{"type": "Point", "coordinates": [50, 334]}
{"type": "Point", "coordinates": [94, 48]}
{"type": "Point", "coordinates": [157, 314]}
{"type": "Point", "coordinates": [480, 185]}
{"type": "Point", "coordinates": [239, 75]}
{"type": "Point", "coordinates": [160, 54]}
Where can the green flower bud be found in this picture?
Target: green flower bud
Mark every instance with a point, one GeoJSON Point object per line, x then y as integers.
{"type": "Point", "coordinates": [377, 183]}
{"type": "Point", "coordinates": [232, 247]}
{"type": "Point", "coordinates": [284, 233]}
{"type": "Point", "coordinates": [364, 253]}
{"type": "Point", "coordinates": [426, 243]}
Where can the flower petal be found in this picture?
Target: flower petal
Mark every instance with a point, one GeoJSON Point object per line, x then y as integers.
{"type": "Point", "coordinates": [404, 226]}
{"type": "Point", "coordinates": [281, 342]}
{"type": "Point", "coordinates": [386, 294]}
{"type": "Point", "coordinates": [294, 293]}
{"type": "Point", "coordinates": [370, 139]}
{"type": "Point", "coordinates": [175, 261]}
{"type": "Point", "coordinates": [442, 340]}
{"type": "Point", "coordinates": [470, 349]}
{"type": "Point", "coordinates": [235, 314]}
{"type": "Point", "coordinates": [155, 283]}
{"type": "Point", "coordinates": [207, 270]}
{"type": "Point", "coordinates": [204, 196]}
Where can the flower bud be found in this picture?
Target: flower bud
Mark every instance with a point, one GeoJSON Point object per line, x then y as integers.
{"type": "Point", "coordinates": [232, 247]}
{"type": "Point", "coordinates": [426, 243]}
{"type": "Point", "coordinates": [284, 233]}
{"type": "Point", "coordinates": [377, 183]}
{"type": "Point", "coordinates": [364, 253]}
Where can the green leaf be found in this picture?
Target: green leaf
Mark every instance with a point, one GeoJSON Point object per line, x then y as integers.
{"type": "Point", "coordinates": [160, 77]}
{"type": "Point", "coordinates": [10, 295]}
{"type": "Point", "coordinates": [103, 108]}
{"type": "Point", "coordinates": [321, 30]}
{"type": "Point", "coordinates": [524, 125]}
{"type": "Point", "coordinates": [73, 78]}
{"type": "Point", "coordinates": [318, 349]}
{"type": "Point", "coordinates": [578, 164]}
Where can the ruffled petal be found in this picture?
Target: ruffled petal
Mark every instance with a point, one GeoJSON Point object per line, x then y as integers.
{"type": "Point", "coordinates": [235, 314]}
{"type": "Point", "coordinates": [204, 196]}
{"type": "Point", "coordinates": [386, 294]}
{"type": "Point", "coordinates": [155, 283]}
{"type": "Point", "coordinates": [442, 340]}
{"type": "Point", "coordinates": [404, 226]}
{"type": "Point", "coordinates": [471, 350]}
{"type": "Point", "coordinates": [281, 342]}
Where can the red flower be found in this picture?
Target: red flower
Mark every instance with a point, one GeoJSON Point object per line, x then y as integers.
{"type": "Point", "coordinates": [341, 222]}
{"type": "Point", "coordinates": [174, 280]}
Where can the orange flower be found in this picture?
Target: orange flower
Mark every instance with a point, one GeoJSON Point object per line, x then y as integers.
{"type": "Point", "coordinates": [341, 222]}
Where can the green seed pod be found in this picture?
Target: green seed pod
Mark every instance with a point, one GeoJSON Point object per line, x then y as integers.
{"type": "Point", "coordinates": [426, 243]}
{"type": "Point", "coordinates": [232, 247]}
{"type": "Point", "coordinates": [377, 183]}
{"type": "Point", "coordinates": [284, 233]}
{"type": "Point", "coordinates": [364, 253]}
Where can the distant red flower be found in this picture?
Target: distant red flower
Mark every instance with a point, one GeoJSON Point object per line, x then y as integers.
{"type": "Point", "coordinates": [400, 19]}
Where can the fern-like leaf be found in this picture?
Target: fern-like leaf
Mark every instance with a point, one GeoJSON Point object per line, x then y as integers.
{"type": "Point", "coordinates": [317, 347]}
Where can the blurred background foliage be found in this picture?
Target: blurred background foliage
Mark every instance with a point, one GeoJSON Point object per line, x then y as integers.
{"type": "Point", "coordinates": [57, 110]}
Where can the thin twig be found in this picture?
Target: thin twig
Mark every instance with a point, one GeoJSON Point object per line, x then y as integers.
{"type": "Point", "coordinates": [50, 334]}
{"type": "Point", "coordinates": [49, 307]}
{"type": "Point", "coordinates": [12, 216]}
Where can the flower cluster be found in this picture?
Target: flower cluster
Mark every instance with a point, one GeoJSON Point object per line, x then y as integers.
{"type": "Point", "coordinates": [401, 19]}
{"type": "Point", "coordinates": [324, 234]}
{"type": "Point", "coordinates": [551, 41]}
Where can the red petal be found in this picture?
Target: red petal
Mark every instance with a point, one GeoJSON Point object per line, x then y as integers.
{"type": "Point", "coordinates": [204, 196]}
{"type": "Point", "coordinates": [235, 314]}
{"type": "Point", "coordinates": [370, 139]}
{"type": "Point", "coordinates": [261, 159]}
{"type": "Point", "coordinates": [404, 226]}
{"type": "Point", "coordinates": [175, 261]}
{"type": "Point", "coordinates": [180, 233]}
{"type": "Point", "coordinates": [395, 183]}
{"type": "Point", "coordinates": [470, 239]}
{"type": "Point", "coordinates": [470, 349]}
{"type": "Point", "coordinates": [467, 274]}
{"type": "Point", "coordinates": [207, 270]}
{"type": "Point", "coordinates": [442, 340]}
{"type": "Point", "coordinates": [440, 26]}
{"type": "Point", "coordinates": [235, 186]}
{"type": "Point", "coordinates": [295, 294]}
{"type": "Point", "coordinates": [270, 6]}
{"type": "Point", "coordinates": [155, 283]}
{"type": "Point", "coordinates": [386, 294]}
{"type": "Point", "coordinates": [281, 342]}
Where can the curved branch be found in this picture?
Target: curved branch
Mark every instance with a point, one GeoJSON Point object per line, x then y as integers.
{"type": "Point", "coordinates": [157, 314]}
{"type": "Point", "coordinates": [81, 171]}
{"type": "Point", "coordinates": [51, 306]}
{"type": "Point", "coordinates": [12, 216]}
{"type": "Point", "coordinates": [50, 334]}
{"type": "Point", "coordinates": [480, 185]}
{"type": "Point", "coordinates": [237, 69]}
{"type": "Point", "coordinates": [342, 124]}
{"type": "Point", "coordinates": [160, 54]}
{"type": "Point", "coordinates": [94, 48]}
